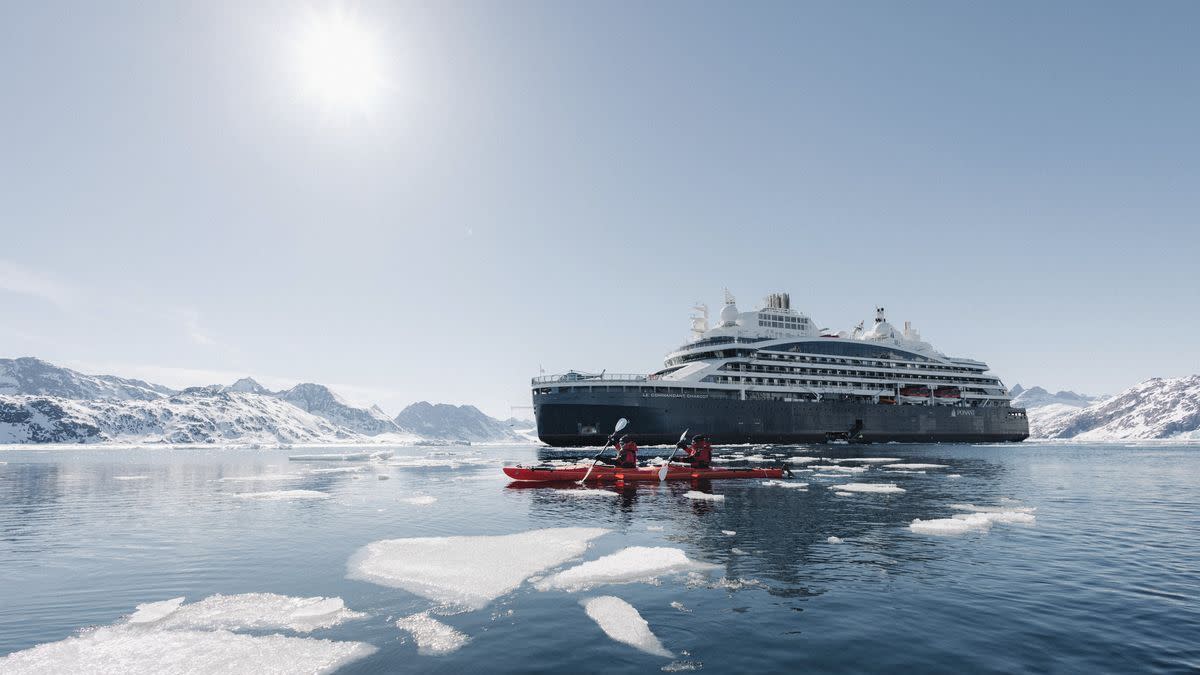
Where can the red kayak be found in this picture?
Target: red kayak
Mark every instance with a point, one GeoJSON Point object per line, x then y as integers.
{"type": "Point", "coordinates": [609, 474]}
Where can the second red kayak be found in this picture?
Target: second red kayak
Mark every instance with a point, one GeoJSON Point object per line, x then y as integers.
{"type": "Point", "coordinates": [609, 474]}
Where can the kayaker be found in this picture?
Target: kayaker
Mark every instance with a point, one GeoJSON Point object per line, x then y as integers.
{"type": "Point", "coordinates": [699, 453]}
{"type": "Point", "coordinates": [626, 454]}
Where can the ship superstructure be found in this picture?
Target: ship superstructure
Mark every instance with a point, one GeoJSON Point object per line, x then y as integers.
{"type": "Point", "coordinates": [771, 375]}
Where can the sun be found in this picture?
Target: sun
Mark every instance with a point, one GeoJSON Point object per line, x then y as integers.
{"type": "Point", "coordinates": [339, 61]}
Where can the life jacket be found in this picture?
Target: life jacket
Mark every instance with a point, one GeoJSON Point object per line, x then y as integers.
{"type": "Point", "coordinates": [627, 457]}
{"type": "Point", "coordinates": [701, 451]}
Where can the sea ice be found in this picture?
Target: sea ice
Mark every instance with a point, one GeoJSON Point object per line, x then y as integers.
{"type": "Point", "coordinates": [257, 611]}
{"type": "Point", "coordinates": [868, 460]}
{"type": "Point", "coordinates": [993, 509]}
{"type": "Point", "coordinates": [418, 500]}
{"type": "Point", "coordinates": [468, 571]}
{"type": "Point", "coordinates": [654, 528]}
{"type": "Point", "coordinates": [621, 622]}
{"type": "Point", "coordinates": [844, 494]}
{"type": "Point", "coordinates": [902, 471]}
{"type": "Point", "coordinates": [982, 518]}
{"type": "Point", "coordinates": [629, 565]}
{"type": "Point", "coordinates": [954, 475]}
{"type": "Point", "coordinates": [834, 540]}
{"type": "Point", "coordinates": [737, 551]}
{"type": "Point", "coordinates": [126, 477]}
{"type": "Point", "coordinates": [802, 460]}
{"type": "Point", "coordinates": [837, 468]}
{"type": "Point", "coordinates": [884, 488]}
{"type": "Point", "coordinates": [262, 477]}
{"type": "Point", "coordinates": [916, 466]}
{"type": "Point", "coordinates": [337, 457]}
{"type": "Point", "coordinates": [432, 636]}
{"type": "Point", "coordinates": [134, 650]}
{"type": "Point", "coordinates": [337, 469]}
{"type": "Point", "coordinates": [728, 533]}
{"type": "Point", "coordinates": [283, 495]}
{"type": "Point", "coordinates": [784, 484]}
{"type": "Point", "coordinates": [153, 611]}
{"type": "Point", "coordinates": [585, 492]}
{"type": "Point", "coordinates": [696, 494]}
{"type": "Point", "coordinates": [675, 604]}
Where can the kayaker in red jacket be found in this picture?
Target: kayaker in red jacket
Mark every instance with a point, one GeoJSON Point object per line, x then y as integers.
{"type": "Point", "coordinates": [626, 454]}
{"type": "Point", "coordinates": [699, 453]}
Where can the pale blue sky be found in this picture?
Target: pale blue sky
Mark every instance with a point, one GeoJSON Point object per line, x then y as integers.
{"type": "Point", "coordinates": [556, 183]}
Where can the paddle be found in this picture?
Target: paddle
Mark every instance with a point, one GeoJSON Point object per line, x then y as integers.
{"type": "Point", "coordinates": [616, 430]}
{"type": "Point", "coordinates": [662, 473]}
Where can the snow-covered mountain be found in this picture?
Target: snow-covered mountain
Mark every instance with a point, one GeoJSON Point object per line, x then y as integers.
{"type": "Point", "coordinates": [320, 401]}
{"type": "Point", "coordinates": [44, 403]}
{"type": "Point", "coordinates": [454, 423]}
{"type": "Point", "coordinates": [1036, 397]}
{"type": "Point", "coordinates": [196, 415]}
{"type": "Point", "coordinates": [36, 377]}
{"type": "Point", "coordinates": [1155, 409]}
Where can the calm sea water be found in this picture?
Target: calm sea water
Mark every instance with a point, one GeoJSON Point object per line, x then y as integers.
{"type": "Point", "coordinates": [1106, 580]}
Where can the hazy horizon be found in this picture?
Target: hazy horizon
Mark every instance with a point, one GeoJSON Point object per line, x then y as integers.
{"type": "Point", "coordinates": [515, 186]}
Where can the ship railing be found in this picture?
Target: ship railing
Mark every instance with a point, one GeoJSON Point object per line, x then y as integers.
{"type": "Point", "coordinates": [582, 377]}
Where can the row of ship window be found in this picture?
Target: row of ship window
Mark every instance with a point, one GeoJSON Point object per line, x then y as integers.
{"type": "Point", "coordinates": [744, 368]}
{"type": "Point", "coordinates": [780, 382]}
{"type": "Point", "coordinates": [768, 356]}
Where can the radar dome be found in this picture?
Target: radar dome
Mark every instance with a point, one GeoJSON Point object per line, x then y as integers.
{"type": "Point", "coordinates": [729, 314]}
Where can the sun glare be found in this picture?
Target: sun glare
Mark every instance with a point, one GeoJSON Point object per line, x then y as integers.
{"type": "Point", "coordinates": [339, 61]}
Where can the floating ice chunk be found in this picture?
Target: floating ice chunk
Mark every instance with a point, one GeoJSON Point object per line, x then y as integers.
{"type": "Point", "coordinates": [621, 622]}
{"type": "Point", "coordinates": [586, 492]}
{"type": "Point", "coordinates": [133, 650]}
{"type": "Point", "coordinates": [883, 488]}
{"type": "Point", "coordinates": [468, 571]}
{"type": "Point", "coordinates": [283, 495]}
{"type": "Point", "coordinates": [954, 475]}
{"type": "Point", "coordinates": [784, 484]}
{"type": "Point", "coordinates": [418, 500]}
{"type": "Point", "coordinates": [802, 460]}
{"type": "Point", "coordinates": [436, 462]}
{"type": "Point", "coordinates": [153, 611]}
{"type": "Point", "coordinates": [654, 528]}
{"type": "Point", "coordinates": [432, 636]}
{"type": "Point", "coordinates": [337, 469]}
{"type": "Point", "coordinates": [916, 466]}
{"type": "Point", "coordinates": [834, 540]}
{"type": "Point", "coordinates": [682, 666]}
{"type": "Point", "coordinates": [125, 477]}
{"type": "Point", "coordinates": [737, 551]}
{"type": "Point", "coordinates": [696, 494]}
{"type": "Point", "coordinates": [993, 509]}
{"type": "Point", "coordinates": [868, 460]}
{"type": "Point", "coordinates": [336, 457]}
{"type": "Point", "coordinates": [728, 533]}
{"type": "Point", "coordinates": [256, 611]}
{"type": "Point", "coordinates": [675, 604]}
{"type": "Point", "coordinates": [838, 468]}
{"type": "Point", "coordinates": [1017, 517]}
{"type": "Point", "coordinates": [972, 523]}
{"type": "Point", "coordinates": [844, 494]}
{"type": "Point", "coordinates": [902, 471]}
{"type": "Point", "coordinates": [262, 477]}
{"type": "Point", "coordinates": [629, 565]}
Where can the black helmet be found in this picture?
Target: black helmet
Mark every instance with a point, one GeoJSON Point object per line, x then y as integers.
{"type": "Point", "coordinates": [699, 437]}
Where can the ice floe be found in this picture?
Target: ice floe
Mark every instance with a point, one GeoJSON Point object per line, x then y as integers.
{"type": "Point", "coordinates": [337, 469]}
{"type": "Point", "coordinates": [585, 492]}
{"type": "Point", "coordinates": [262, 477]}
{"type": "Point", "coordinates": [172, 637]}
{"type": "Point", "coordinates": [802, 460]}
{"type": "Point", "coordinates": [439, 462]}
{"type": "Point", "coordinates": [622, 622]}
{"type": "Point", "coordinates": [418, 500]}
{"type": "Point", "coordinates": [468, 571]}
{"type": "Point", "coordinates": [654, 528]}
{"type": "Point", "coordinates": [341, 457]}
{"type": "Point", "coordinates": [980, 519]}
{"type": "Point", "coordinates": [738, 551]}
{"type": "Point", "coordinates": [728, 533]}
{"type": "Point", "coordinates": [132, 650]}
{"type": "Point", "coordinates": [916, 466]}
{"type": "Point", "coordinates": [954, 475]}
{"type": "Point", "coordinates": [675, 604]}
{"type": "Point", "coordinates": [128, 477]}
{"type": "Point", "coordinates": [844, 494]}
{"type": "Point", "coordinates": [433, 637]}
{"type": "Point", "coordinates": [784, 484]}
{"type": "Point", "coordinates": [629, 565]}
{"type": "Point", "coordinates": [283, 495]}
{"type": "Point", "coordinates": [882, 488]}
{"type": "Point", "coordinates": [153, 611]}
{"type": "Point", "coordinates": [253, 611]}
{"type": "Point", "coordinates": [834, 540]}
{"type": "Point", "coordinates": [867, 460]}
{"type": "Point", "coordinates": [838, 468]}
{"type": "Point", "coordinates": [682, 666]}
{"type": "Point", "coordinates": [902, 471]}
{"type": "Point", "coordinates": [696, 494]}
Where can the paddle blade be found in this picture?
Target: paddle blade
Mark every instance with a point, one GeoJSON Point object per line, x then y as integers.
{"type": "Point", "coordinates": [662, 471]}
{"type": "Point", "coordinates": [621, 424]}
{"type": "Point", "coordinates": [683, 436]}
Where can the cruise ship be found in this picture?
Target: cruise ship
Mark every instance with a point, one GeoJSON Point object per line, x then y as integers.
{"type": "Point", "coordinates": [771, 376]}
